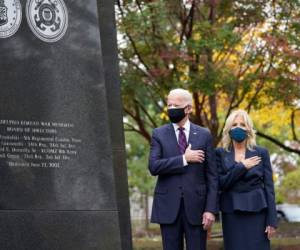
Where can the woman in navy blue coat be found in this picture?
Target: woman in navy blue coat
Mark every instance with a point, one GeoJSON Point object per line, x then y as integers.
{"type": "Point", "coordinates": [247, 199]}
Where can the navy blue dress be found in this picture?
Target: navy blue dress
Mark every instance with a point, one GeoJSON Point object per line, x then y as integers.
{"type": "Point", "coordinates": [247, 200]}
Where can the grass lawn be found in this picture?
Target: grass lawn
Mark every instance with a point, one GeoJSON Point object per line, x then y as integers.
{"type": "Point", "coordinates": [277, 244]}
{"type": "Point", "coordinates": [287, 238]}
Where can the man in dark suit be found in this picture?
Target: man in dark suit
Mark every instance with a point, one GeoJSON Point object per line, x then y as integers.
{"type": "Point", "coordinates": [182, 156]}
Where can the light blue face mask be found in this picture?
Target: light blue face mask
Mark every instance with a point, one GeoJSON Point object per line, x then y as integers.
{"type": "Point", "coordinates": [238, 134]}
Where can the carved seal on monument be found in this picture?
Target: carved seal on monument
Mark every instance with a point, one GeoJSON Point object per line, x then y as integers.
{"type": "Point", "coordinates": [48, 19]}
{"type": "Point", "coordinates": [10, 17]}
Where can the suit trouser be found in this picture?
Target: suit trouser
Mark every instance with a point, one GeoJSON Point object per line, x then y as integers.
{"type": "Point", "coordinates": [173, 234]}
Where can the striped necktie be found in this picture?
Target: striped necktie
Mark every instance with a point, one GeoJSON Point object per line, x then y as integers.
{"type": "Point", "coordinates": [182, 143]}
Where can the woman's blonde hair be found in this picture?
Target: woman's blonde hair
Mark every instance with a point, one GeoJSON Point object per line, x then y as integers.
{"type": "Point", "coordinates": [251, 139]}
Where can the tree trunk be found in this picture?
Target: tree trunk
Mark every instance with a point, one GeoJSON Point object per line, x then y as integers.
{"type": "Point", "coordinates": [146, 207]}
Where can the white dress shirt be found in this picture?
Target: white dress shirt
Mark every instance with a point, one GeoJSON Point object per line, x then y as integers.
{"type": "Point", "coordinates": [186, 130]}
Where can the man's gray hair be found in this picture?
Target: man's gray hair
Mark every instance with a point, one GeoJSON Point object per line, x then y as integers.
{"type": "Point", "coordinates": [186, 95]}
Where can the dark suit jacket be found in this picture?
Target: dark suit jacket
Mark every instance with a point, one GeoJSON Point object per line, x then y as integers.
{"type": "Point", "coordinates": [246, 190]}
{"type": "Point", "coordinates": [198, 182]}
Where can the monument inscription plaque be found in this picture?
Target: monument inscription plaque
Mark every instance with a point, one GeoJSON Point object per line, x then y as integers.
{"type": "Point", "coordinates": [63, 182]}
{"type": "Point", "coordinates": [37, 143]}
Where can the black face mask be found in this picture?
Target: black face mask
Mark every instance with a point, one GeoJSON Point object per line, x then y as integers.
{"type": "Point", "coordinates": [176, 115]}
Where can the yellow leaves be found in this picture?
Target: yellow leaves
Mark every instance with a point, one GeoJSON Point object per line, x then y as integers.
{"type": "Point", "coordinates": [196, 36]}
{"type": "Point", "coordinates": [272, 119]}
{"type": "Point", "coordinates": [275, 178]}
{"type": "Point", "coordinates": [184, 78]}
{"type": "Point", "coordinates": [164, 114]}
{"type": "Point", "coordinates": [183, 69]}
{"type": "Point", "coordinates": [201, 67]}
{"type": "Point", "coordinates": [222, 103]}
{"type": "Point", "coordinates": [176, 39]}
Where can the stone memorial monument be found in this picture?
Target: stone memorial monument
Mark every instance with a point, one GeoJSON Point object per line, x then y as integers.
{"type": "Point", "coordinates": [63, 181]}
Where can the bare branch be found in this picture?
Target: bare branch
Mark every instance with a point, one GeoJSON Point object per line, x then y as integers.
{"type": "Point", "coordinates": [154, 125]}
{"type": "Point", "coordinates": [132, 42]}
{"type": "Point", "coordinates": [198, 108]}
{"type": "Point", "coordinates": [278, 143]}
{"type": "Point", "coordinates": [213, 115]}
{"type": "Point", "coordinates": [141, 125]}
{"type": "Point", "coordinates": [185, 22]}
{"type": "Point", "coordinates": [228, 111]}
{"type": "Point", "coordinates": [131, 128]}
{"type": "Point", "coordinates": [293, 124]}
{"type": "Point", "coordinates": [260, 87]}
